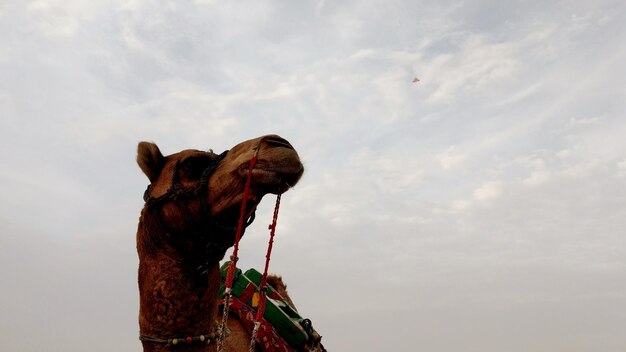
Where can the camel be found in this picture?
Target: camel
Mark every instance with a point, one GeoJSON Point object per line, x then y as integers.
{"type": "Point", "coordinates": [188, 222]}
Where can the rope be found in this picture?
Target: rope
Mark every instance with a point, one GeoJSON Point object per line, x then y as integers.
{"type": "Point", "coordinates": [263, 284]}
{"type": "Point", "coordinates": [233, 264]}
{"type": "Point", "coordinates": [233, 258]}
{"type": "Point", "coordinates": [207, 339]}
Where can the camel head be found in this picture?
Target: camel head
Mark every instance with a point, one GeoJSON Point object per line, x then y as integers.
{"type": "Point", "coordinates": [194, 197]}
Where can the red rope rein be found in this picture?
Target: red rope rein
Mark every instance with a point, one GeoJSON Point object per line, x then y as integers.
{"type": "Point", "coordinates": [233, 258]}
{"type": "Point", "coordinates": [233, 264]}
{"type": "Point", "coordinates": [263, 284]}
{"type": "Point", "coordinates": [244, 201]}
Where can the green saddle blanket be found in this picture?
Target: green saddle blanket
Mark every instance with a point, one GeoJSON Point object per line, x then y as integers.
{"type": "Point", "coordinates": [295, 330]}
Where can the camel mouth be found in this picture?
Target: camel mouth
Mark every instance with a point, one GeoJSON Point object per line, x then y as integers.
{"type": "Point", "coordinates": [281, 188]}
{"type": "Point", "coordinates": [274, 180]}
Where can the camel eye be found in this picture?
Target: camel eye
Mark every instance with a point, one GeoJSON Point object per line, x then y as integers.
{"type": "Point", "coordinates": [193, 167]}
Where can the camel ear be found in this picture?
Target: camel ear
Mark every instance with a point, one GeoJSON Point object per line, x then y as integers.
{"type": "Point", "coordinates": [150, 160]}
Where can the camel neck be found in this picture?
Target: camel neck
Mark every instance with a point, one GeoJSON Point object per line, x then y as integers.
{"type": "Point", "coordinates": [176, 301]}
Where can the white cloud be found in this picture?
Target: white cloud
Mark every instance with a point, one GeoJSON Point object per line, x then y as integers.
{"type": "Point", "coordinates": [498, 178]}
{"type": "Point", "coordinates": [537, 178]}
{"type": "Point", "coordinates": [563, 154]}
{"type": "Point", "coordinates": [538, 173]}
{"type": "Point", "coordinates": [460, 204]}
{"type": "Point", "coordinates": [586, 121]}
{"type": "Point", "coordinates": [488, 191]}
{"type": "Point", "coordinates": [450, 158]}
{"type": "Point", "coordinates": [621, 167]}
{"type": "Point", "coordinates": [387, 171]}
{"type": "Point", "coordinates": [477, 65]}
{"type": "Point", "coordinates": [58, 18]}
{"type": "Point", "coordinates": [205, 2]}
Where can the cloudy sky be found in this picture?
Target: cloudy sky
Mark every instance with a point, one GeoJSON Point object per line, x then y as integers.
{"type": "Point", "coordinates": [480, 209]}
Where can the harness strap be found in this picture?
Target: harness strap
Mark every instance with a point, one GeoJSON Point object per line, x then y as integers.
{"type": "Point", "coordinates": [177, 191]}
{"type": "Point", "coordinates": [206, 339]}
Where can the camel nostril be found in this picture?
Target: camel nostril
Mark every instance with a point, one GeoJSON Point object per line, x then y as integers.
{"type": "Point", "coordinates": [276, 141]}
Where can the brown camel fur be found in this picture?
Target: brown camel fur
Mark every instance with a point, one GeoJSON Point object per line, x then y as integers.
{"type": "Point", "coordinates": [188, 222]}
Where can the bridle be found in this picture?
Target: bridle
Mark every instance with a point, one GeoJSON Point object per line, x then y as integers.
{"type": "Point", "coordinates": [213, 235]}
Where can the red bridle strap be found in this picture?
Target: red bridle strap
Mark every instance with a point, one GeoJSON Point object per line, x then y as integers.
{"type": "Point", "coordinates": [233, 257]}
{"type": "Point", "coordinates": [263, 284]}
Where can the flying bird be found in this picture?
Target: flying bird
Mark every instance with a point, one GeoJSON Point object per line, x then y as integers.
{"type": "Point", "coordinates": [415, 80]}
